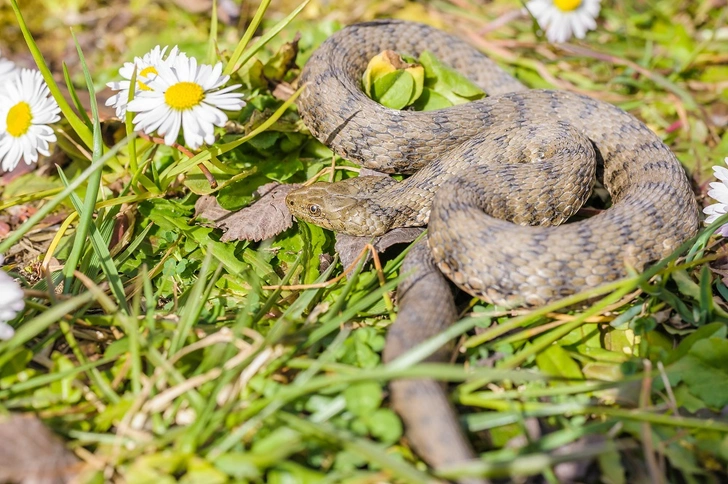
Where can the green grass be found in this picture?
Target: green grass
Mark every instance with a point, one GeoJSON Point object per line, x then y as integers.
{"type": "Point", "coordinates": [160, 353]}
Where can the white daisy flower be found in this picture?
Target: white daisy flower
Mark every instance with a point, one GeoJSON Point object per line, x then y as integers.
{"type": "Point", "coordinates": [8, 69]}
{"type": "Point", "coordinates": [146, 67]}
{"type": "Point", "coordinates": [26, 110]}
{"type": "Point", "coordinates": [185, 95]}
{"type": "Point", "coordinates": [718, 191]}
{"type": "Point", "coordinates": [563, 18]}
{"type": "Point", "coordinates": [11, 303]}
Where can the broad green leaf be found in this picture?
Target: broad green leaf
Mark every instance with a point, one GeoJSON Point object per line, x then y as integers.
{"type": "Point", "coordinates": [610, 463]}
{"type": "Point", "coordinates": [393, 82]}
{"type": "Point", "coordinates": [713, 330]}
{"type": "Point", "coordinates": [687, 400]}
{"type": "Point", "coordinates": [705, 371]}
{"type": "Point", "coordinates": [385, 425]}
{"type": "Point", "coordinates": [363, 398]}
{"type": "Point", "coordinates": [447, 81]}
{"type": "Point", "coordinates": [431, 100]}
{"type": "Point", "coordinates": [603, 371]}
{"type": "Point", "coordinates": [555, 361]}
{"type": "Point", "coordinates": [394, 90]}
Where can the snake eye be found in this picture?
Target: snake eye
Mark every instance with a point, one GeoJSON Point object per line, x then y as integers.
{"type": "Point", "coordinates": [314, 209]}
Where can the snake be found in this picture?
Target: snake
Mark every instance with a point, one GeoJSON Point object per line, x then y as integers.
{"type": "Point", "coordinates": [494, 180]}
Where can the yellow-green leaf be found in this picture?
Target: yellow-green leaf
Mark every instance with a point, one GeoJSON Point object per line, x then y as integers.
{"type": "Point", "coordinates": [555, 361]}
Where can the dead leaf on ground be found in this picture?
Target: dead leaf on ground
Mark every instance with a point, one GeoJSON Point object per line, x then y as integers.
{"type": "Point", "coordinates": [349, 247]}
{"type": "Point", "coordinates": [265, 218]}
{"type": "Point", "coordinates": [31, 453]}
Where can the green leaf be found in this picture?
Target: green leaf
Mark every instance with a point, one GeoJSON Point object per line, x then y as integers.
{"type": "Point", "coordinates": [199, 470]}
{"type": "Point", "coordinates": [391, 81]}
{"type": "Point", "coordinates": [240, 465]}
{"type": "Point", "coordinates": [603, 371]}
{"type": "Point", "coordinates": [385, 425]}
{"type": "Point", "coordinates": [610, 464]}
{"type": "Point", "coordinates": [289, 472]}
{"type": "Point", "coordinates": [394, 90]}
{"type": "Point", "coordinates": [447, 81]}
{"type": "Point", "coordinates": [363, 398]}
{"type": "Point", "coordinates": [200, 185]}
{"type": "Point", "coordinates": [687, 400]}
{"type": "Point", "coordinates": [430, 100]}
{"type": "Point", "coordinates": [713, 330]}
{"type": "Point", "coordinates": [705, 371]}
{"type": "Point", "coordinates": [555, 361]}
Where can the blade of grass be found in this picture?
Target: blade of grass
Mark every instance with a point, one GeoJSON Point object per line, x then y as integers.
{"type": "Point", "coordinates": [530, 464]}
{"type": "Point", "coordinates": [212, 38]}
{"type": "Point", "coordinates": [249, 32]}
{"type": "Point", "coordinates": [58, 199]}
{"type": "Point", "coordinates": [45, 380]}
{"type": "Point", "coordinates": [554, 335]}
{"type": "Point", "coordinates": [373, 453]}
{"type": "Point", "coordinates": [287, 394]}
{"type": "Point", "coordinates": [265, 38]}
{"type": "Point", "coordinates": [94, 374]}
{"type": "Point", "coordinates": [74, 97]}
{"type": "Point", "coordinates": [195, 303]}
{"type": "Point", "coordinates": [92, 189]}
{"type": "Point", "coordinates": [129, 126]}
{"type": "Point", "coordinates": [101, 246]}
{"type": "Point", "coordinates": [29, 197]}
{"type": "Point", "coordinates": [30, 329]}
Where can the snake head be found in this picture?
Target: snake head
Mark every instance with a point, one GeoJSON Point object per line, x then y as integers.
{"type": "Point", "coordinates": [339, 206]}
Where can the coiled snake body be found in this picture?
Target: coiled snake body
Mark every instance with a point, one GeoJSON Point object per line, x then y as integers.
{"type": "Point", "coordinates": [492, 177]}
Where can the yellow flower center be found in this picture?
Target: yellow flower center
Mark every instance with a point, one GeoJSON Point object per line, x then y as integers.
{"type": "Point", "coordinates": [145, 73]}
{"type": "Point", "coordinates": [184, 95]}
{"type": "Point", "coordinates": [19, 119]}
{"type": "Point", "coordinates": [567, 5]}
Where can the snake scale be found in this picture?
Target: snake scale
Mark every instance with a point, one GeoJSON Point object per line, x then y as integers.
{"type": "Point", "coordinates": [493, 179]}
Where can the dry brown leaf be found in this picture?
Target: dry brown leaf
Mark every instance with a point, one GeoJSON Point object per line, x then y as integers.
{"type": "Point", "coordinates": [349, 247]}
{"type": "Point", "coordinates": [31, 453]}
{"type": "Point", "coordinates": [265, 218]}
